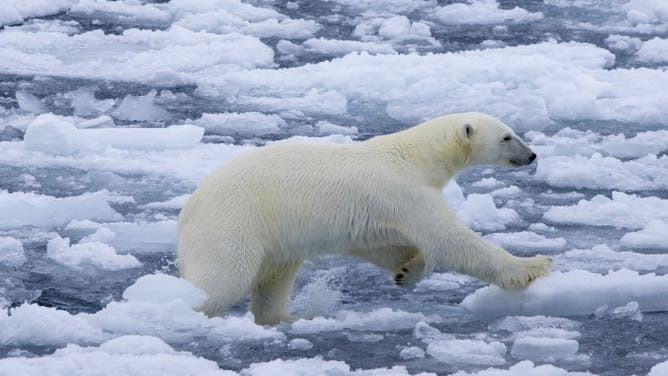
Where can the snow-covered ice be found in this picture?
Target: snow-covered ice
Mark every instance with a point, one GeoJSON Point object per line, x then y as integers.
{"type": "Point", "coordinates": [113, 111]}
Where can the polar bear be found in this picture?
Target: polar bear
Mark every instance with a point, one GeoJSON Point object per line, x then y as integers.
{"type": "Point", "coordinates": [251, 223]}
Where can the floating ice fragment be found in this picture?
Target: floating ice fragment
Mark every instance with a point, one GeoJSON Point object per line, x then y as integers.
{"type": "Point", "coordinates": [382, 319]}
{"type": "Point", "coordinates": [300, 344]}
{"type": "Point", "coordinates": [527, 240]}
{"type": "Point", "coordinates": [543, 349]}
{"type": "Point", "coordinates": [466, 351]}
{"type": "Point", "coordinates": [160, 288]}
{"type": "Point", "coordinates": [11, 251]}
{"type": "Point", "coordinates": [652, 236]}
{"type": "Point", "coordinates": [29, 209]}
{"type": "Point", "coordinates": [572, 293]}
{"type": "Point", "coordinates": [88, 253]}
{"type": "Point", "coordinates": [622, 210]}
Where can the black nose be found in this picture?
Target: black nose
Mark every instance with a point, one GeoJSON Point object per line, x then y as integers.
{"type": "Point", "coordinates": [532, 157]}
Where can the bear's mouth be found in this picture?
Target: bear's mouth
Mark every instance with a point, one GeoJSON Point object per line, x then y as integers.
{"type": "Point", "coordinates": [516, 163]}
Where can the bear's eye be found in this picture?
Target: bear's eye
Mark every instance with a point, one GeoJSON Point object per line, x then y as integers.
{"type": "Point", "coordinates": [507, 138]}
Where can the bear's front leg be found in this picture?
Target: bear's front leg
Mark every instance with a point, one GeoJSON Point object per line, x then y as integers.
{"type": "Point", "coordinates": [410, 271]}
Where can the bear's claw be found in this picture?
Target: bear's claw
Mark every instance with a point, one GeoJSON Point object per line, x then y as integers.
{"type": "Point", "coordinates": [410, 271]}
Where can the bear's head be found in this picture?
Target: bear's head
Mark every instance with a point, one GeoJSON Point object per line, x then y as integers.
{"type": "Point", "coordinates": [488, 141]}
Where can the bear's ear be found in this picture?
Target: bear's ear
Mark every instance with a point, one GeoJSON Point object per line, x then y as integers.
{"type": "Point", "coordinates": [467, 130]}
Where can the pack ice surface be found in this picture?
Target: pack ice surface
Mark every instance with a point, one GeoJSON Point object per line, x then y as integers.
{"type": "Point", "coordinates": [112, 111]}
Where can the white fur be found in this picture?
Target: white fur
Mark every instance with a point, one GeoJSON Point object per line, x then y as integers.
{"type": "Point", "coordinates": [250, 224]}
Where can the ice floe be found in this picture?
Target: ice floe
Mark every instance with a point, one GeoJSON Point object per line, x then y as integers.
{"type": "Point", "coordinates": [572, 293]}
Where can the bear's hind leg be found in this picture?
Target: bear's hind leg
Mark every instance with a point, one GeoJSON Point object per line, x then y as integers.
{"type": "Point", "coordinates": [270, 293]}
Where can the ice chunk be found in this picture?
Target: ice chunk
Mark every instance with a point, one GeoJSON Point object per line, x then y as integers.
{"type": "Point", "coordinates": [246, 124]}
{"type": "Point", "coordinates": [466, 351]}
{"type": "Point", "coordinates": [129, 355]}
{"type": "Point", "coordinates": [653, 51]}
{"type": "Point", "coordinates": [29, 103]}
{"type": "Point", "coordinates": [50, 134]}
{"type": "Point", "coordinates": [325, 128]}
{"type": "Point", "coordinates": [177, 202]}
{"type": "Point", "coordinates": [623, 43]}
{"type": "Point", "coordinates": [543, 349]}
{"type": "Point", "coordinates": [11, 251]}
{"type": "Point", "coordinates": [659, 369]}
{"type": "Point", "coordinates": [527, 240]}
{"type": "Point", "coordinates": [572, 293]}
{"type": "Point", "coordinates": [160, 288]}
{"type": "Point", "coordinates": [383, 319]}
{"type": "Point", "coordinates": [312, 102]}
{"type": "Point", "coordinates": [443, 281]}
{"type": "Point", "coordinates": [598, 172]}
{"type": "Point", "coordinates": [141, 108]}
{"type": "Point", "coordinates": [454, 195]}
{"type": "Point", "coordinates": [333, 47]}
{"type": "Point", "coordinates": [652, 236]}
{"type": "Point", "coordinates": [513, 190]}
{"type": "Point", "coordinates": [537, 326]}
{"type": "Point", "coordinates": [299, 344]}
{"type": "Point", "coordinates": [630, 310]}
{"type": "Point", "coordinates": [643, 143]}
{"type": "Point", "coordinates": [45, 326]}
{"type": "Point", "coordinates": [392, 6]}
{"type": "Point", "coordinates": [317, 367]}
{"type": "Point", "coordinates": [172, 137]}
{"type": "Point", "coordinates": [135, 235]}
{"type": "Point", "coordinates": [88, 253]}
{"type": "Point", "coordinates": [483, 12]}
{"type": "Point", "coordinates": [85, 103]}
{"type": "Point", "coordinates": [162, 57]}
{"type": "Point", "coordinates": [29, 209]}
{"type": "Point", "coordinates": [602, 258]}
{"type": "Point", "coordinates": [622, 210]}
{"type": "Point", "coordinates": [490, 182]}
{"type": "Point", "coordinates": [16, 11]}
{"type": "Point", "coordinates": [123, 11]}
{"type": "Point", "coordinates": [480, 212]}
{"type": "Point", "coordinates": [411, 352]}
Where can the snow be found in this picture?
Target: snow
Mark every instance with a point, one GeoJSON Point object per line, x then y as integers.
{"type": "Point", "coordinates": [572, 293]}
{"type": "Point", "coordinates": [88, 253]}
{"type": "Point", "coordinates": [620, 210]}
{"type": "Point", "coordinates": [464, 351]}
{"type": "Point", "coordinates": [483, 12]}
{"type": "Point", "coordinates": [30, 209]}
{"type": "Point", "coordinates": [11, 251]}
